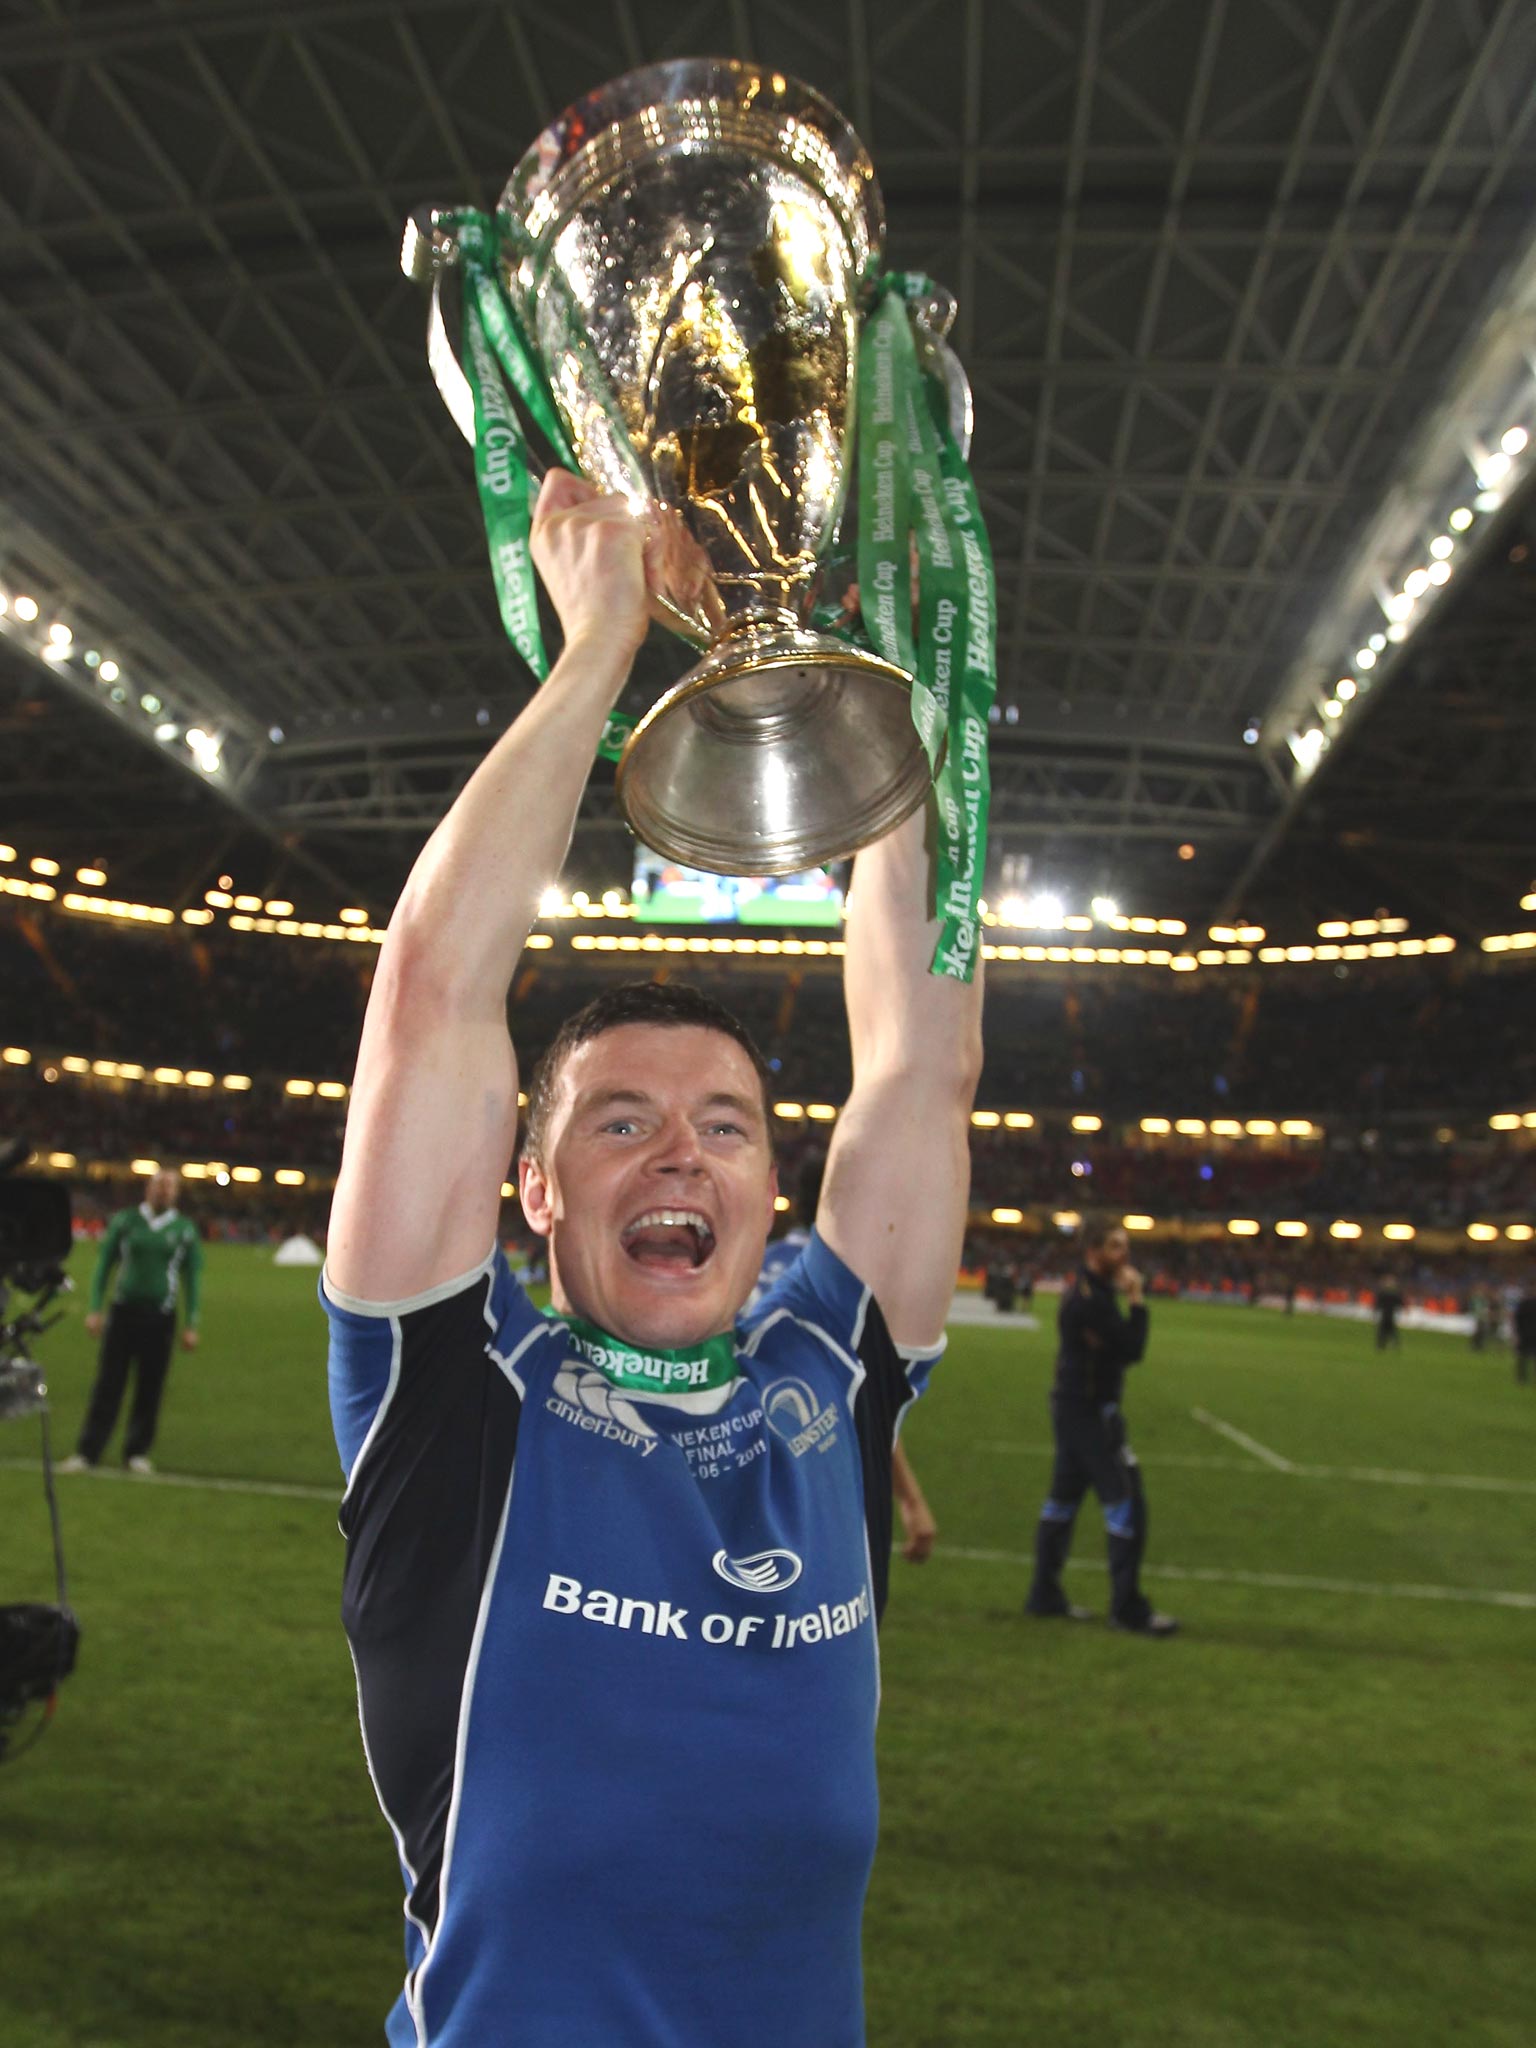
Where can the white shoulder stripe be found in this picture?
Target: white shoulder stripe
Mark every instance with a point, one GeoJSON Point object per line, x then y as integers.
{"type": "Point", "coordinates": [382, 1410]}
{"type": "Point", "coordinates": [409, 1303]}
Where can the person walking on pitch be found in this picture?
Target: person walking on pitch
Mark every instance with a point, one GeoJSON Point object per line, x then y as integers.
{"type": "Point", "coordinates": [1097, 1346]}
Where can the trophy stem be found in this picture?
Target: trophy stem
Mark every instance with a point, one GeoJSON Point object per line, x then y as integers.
{"type": "Point", "coordinates": [782, 750]}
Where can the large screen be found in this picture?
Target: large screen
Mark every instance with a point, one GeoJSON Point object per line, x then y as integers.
{"type": "Point", "coordinates": [664, 893]}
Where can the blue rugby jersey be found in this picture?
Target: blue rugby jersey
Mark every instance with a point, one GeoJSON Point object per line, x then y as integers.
{"type": "Point", "coordinates": [616, 1663]}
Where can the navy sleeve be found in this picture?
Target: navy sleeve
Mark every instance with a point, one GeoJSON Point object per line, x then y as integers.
{"type": "Point", "coordinates": [426, 1396]}
{"type": "Point", "coordinates": [887, 1378]}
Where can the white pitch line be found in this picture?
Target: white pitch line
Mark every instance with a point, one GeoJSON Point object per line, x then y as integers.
{"type": "Point", "coordinates": [276, 1489]}
{"type": "Point", "coordinates": [1373, 1475]}
{"type": "Point", "coordinates": [1243, 1441]}
{"type": "Point", "coordinates": [1284, 1582]}
{"type": "Point", "coordinates": [1278, 1581]}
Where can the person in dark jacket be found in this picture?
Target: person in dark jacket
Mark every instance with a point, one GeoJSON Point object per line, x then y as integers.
{"type": "Point", "coordinates": [1525, 1336]}
{"type": "Point", "coordinates": [1097, 1343]}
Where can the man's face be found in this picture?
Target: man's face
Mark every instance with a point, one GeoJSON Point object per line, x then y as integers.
{"type": "Point", "coordinates": [162, 1190]}
{"type": "Point", "coordinates": [657, 1183]}
{"type": "Point", "coordinates": [1108, 1258]}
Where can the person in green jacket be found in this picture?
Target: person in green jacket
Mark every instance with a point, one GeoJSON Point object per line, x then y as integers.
{"type": "Point", "coordinates": [155, 1250]}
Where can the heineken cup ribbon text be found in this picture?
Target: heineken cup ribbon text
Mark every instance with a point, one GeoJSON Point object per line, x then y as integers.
{"type": "Point", "coordinates": [916, 494]}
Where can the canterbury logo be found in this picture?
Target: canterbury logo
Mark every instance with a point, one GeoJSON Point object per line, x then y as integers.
{"type": "Point", "coordinates": [766, 1571]}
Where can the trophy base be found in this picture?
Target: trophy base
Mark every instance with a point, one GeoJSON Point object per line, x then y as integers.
{"type": "Point", "coordinates": [783, 750]}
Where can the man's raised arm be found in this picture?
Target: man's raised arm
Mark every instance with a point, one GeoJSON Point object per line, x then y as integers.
{"type": "Point", "coordinates": [433, 1115]}
{"type": "Point", "coordinates": [899, 1170]}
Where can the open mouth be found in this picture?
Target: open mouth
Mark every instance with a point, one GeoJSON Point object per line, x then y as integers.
{"type": "Point", "coordinates": [669, 1240]}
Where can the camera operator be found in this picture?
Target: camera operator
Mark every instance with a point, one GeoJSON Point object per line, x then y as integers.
{"type": "Point", "coordinates": [158, 1249]}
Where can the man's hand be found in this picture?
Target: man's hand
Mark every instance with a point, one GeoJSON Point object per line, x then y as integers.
{"type": "Point", "coordinates": [1131, 1281]}
{"type": "Point", "coordinates": [94, 1322]}
{"type": "Point", "coordinates": [591, 551]}
{"type": "Point", "coordinates": [189, 1340]}
{"type": "Point", "coordinates": [922, 1531]}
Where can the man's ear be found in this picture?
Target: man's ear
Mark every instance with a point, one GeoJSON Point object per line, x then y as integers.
{"type": "Point", "coordinates": [534, 1193]}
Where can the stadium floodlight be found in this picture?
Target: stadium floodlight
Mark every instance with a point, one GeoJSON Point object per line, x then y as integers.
{"type": "Point", "coordinates": [1066, 1219]}
{"type": "Point", "coordinates": [1345, 688]}
{"type": "Point", "coordinates": [41, 865]}
{"type": "Point", "coordinates": [1298, 1127]}
{"type": "Point", "coordinates": [245, 1173]}
{"type": "Point", "coordinates": [551, 903]}
{"type": "Point", "coordinates": [1493, 470]}
{"type": "Point", "coordinates": [16, 1056]}
{"type": "Point", "coordinates": [1291, 1229]}
{"type": "Point", "coordinates": [1087, 1123]}
{"type": "Point", "coordinates": [1442, 547]}
{"type": "Point", "coordinates": [1519, 1233]}
{"type": "Point", "coordinates": [1243, 1226]}
{"type": "Point", "coordinates": [789, 1111]}
{"type": "Point", "coordinates": [167, 732]}
{"type": "Point", "coordinates": [1018, 1120]}
{"type": "Point", "coordinates": [1046, 913]}
{"type": "Point", "coordinates": [25, 608]}
{"type": "Point", "coordinates": [289, 1177]}
{"type": "Point", "coordinates": [820, 1112]}
{"type": "Point", "coordinates": [1400, 1233]}
{"type": "Point", "coordinates": [986, 1119]}
{"type": "Point", "coordinates": [1156, 1126]}
{"type": "Point", "coordinates": [279, 907]}
{"type": "Point", "coordinates": [1342, 1229]}
{"type": "Point", "coordinates": [1136, 1222]}
{"type": "Point", "coordinates": [144, 1166]}
{"type": "Point", "coordinates": [1377, 643]}
{"type": "Point", "coordinates": [1104, 908]}
{"type": "Point", "coordinates": [60, 634]}
{"type": "Point", "coordinates": [1460, 519]}
{"type": "Point", "coordinates": [1365, 657]}
{"type": "Point", "coordinates": [780, 1202]}
{"type": "Point", "coordinates": [1190, 1127]}
{"type": "Point", "coordinates": [1505, 1121]}
{"type": "Point", "coordinates": [1482, 1233]}
{"type": "Point", "coordinates": [1007, 1215]}
{"type": "Point", "coordinates": [64, 1160]}
{"type": "Point", "coordinates": [109, 671]}
{"type": "Point", "coordinates": [1333, 708]}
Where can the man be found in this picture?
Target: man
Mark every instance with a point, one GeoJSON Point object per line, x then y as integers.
{"type": "Point", "coordinates": [1389, 1304]}
{"type": "Point", "coordinates": [156, 1250]}
{"type": "Point", "coordinates": [1524, 1331]}
{"type": "Point", "coordinates": [1096, 1346]}
{"type": "Point", "coordinates": [612, 1576]}
{"type": "Point", "coordinates": [781, 1254]}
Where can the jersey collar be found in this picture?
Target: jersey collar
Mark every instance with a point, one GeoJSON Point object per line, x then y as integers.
{"type": "Point", "coordinates": [698, 1368]}
{"type": "Point", "coordinates": [156, 1222]}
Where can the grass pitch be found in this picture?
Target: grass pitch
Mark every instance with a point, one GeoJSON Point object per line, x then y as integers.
{"type": "Point", "coordinates": [1306, 1822]}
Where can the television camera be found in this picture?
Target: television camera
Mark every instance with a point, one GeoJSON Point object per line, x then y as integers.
{"type": "Point", "coordinates": [38, 1640]}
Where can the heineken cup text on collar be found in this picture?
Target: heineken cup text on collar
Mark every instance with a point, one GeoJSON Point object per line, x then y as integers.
{"type": "Point", "coordinates": [684, 251]}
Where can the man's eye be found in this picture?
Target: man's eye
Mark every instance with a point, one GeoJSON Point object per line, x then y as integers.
{"type": "Point", "coordinates": [620, 1126]}
{"type": "Point", "coordinates": [730, 1130]}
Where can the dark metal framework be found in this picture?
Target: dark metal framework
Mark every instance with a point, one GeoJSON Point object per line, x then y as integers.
{"type": "Point", "coordinates": [1216, 264]}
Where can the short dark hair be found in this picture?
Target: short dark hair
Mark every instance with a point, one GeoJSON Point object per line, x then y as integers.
{"type": "Point", "coordinates": [1094, 1229]}
{"type": "Point", "coordinates": [632, 1002]}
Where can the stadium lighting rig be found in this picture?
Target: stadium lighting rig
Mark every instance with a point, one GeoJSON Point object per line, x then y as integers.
{"type": "Point", "coordinates": [54, 642]}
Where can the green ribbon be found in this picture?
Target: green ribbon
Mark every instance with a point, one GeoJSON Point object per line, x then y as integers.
{"type": "Point", "coordinates": [915, 488]}
{"type": "Point", "coordinates": [710, 1364]}
{"type": "Point", "coordinates": [495, 342]}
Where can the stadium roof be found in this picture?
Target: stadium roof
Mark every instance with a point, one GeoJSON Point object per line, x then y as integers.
{"type": "Point", "coordinates": [1245, 297]}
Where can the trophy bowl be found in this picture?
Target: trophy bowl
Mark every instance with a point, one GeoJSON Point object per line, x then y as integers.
{"type": "Point", "coordinates": [685, 249]}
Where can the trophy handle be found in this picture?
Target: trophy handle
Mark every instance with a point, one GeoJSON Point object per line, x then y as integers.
{"type": "Point", "coordinates": [933, 317]}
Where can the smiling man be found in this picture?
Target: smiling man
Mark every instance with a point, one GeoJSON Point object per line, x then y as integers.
{"type": "Point", "coordinates": [613, 1574]}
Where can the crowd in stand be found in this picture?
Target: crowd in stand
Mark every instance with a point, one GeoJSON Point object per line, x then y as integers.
{"type": "Point", "coordinates": [1376, 1059]}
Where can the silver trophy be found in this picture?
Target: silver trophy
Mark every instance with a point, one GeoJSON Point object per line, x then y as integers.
{"type": "Point", "coordinates": [685, 249]}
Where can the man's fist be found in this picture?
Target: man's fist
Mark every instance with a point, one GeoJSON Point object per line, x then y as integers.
{"type": "Point", "coordinates": [591, 551]}
{"type": "Point", "coordinates": [1131, 1281]}
{"type": "Point", "coordinates": [189, 1340]}
{"type": "Point", "coordinates": [93, 1323]}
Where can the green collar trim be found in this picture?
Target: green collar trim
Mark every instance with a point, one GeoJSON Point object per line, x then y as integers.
{"type": "Point", "coordinates": [699, 1367]}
